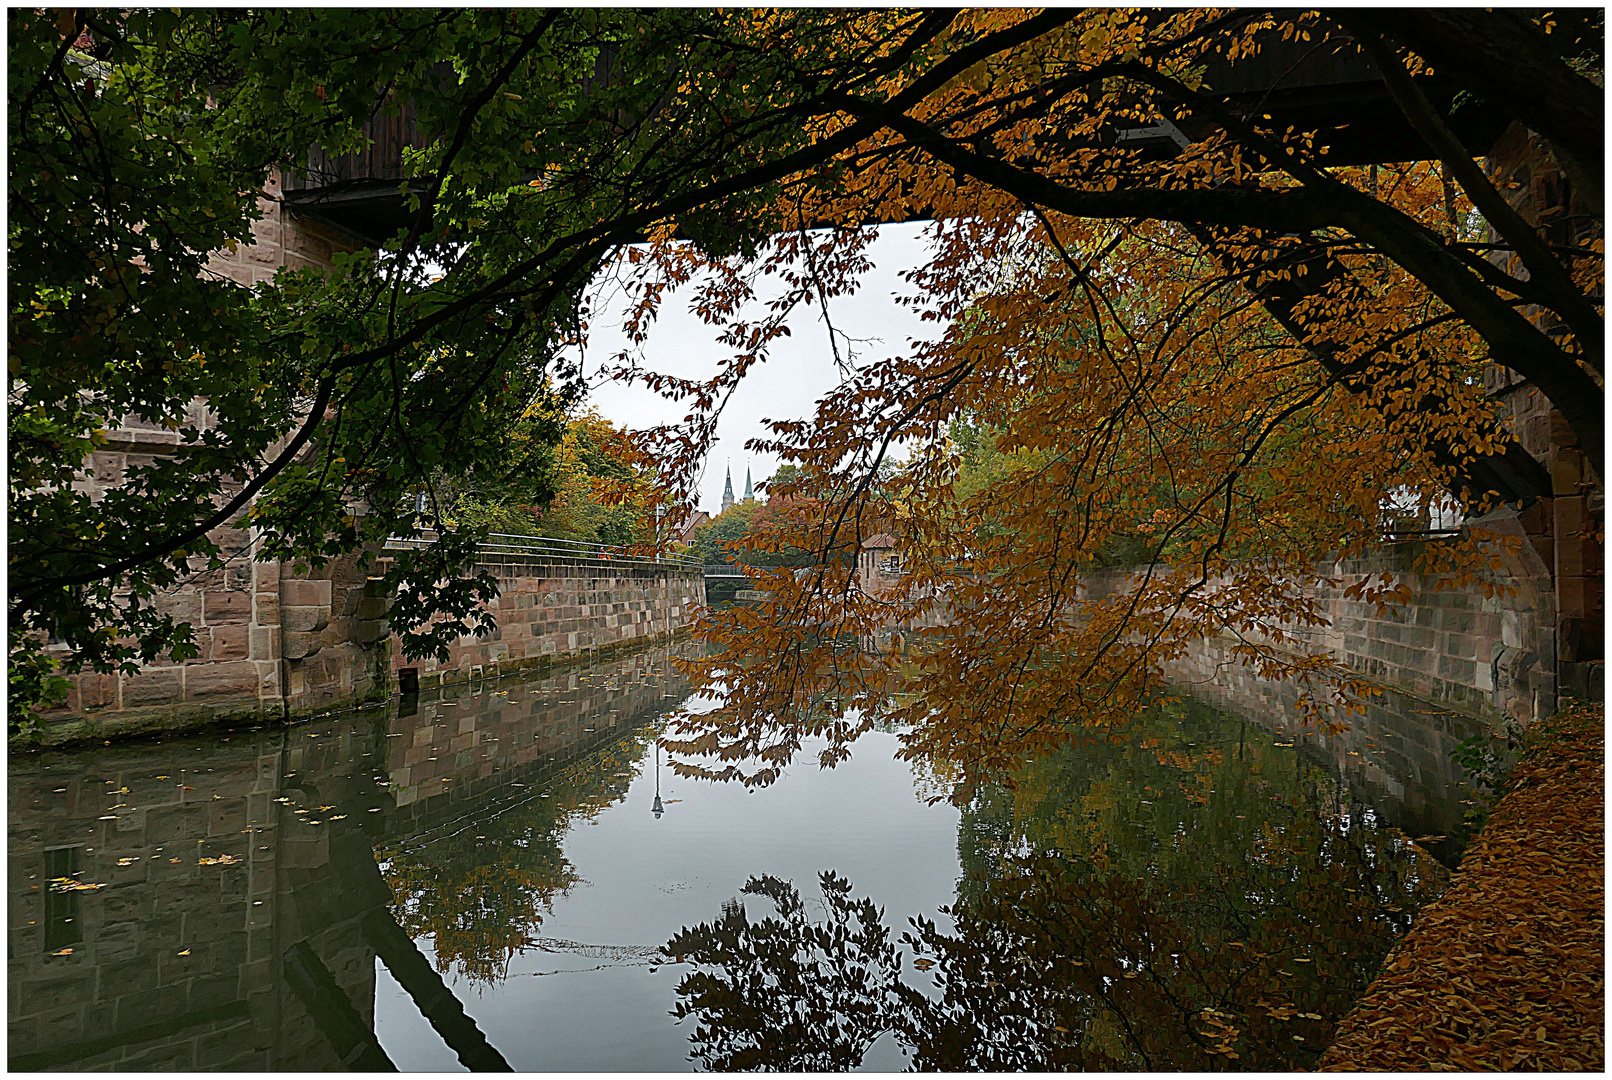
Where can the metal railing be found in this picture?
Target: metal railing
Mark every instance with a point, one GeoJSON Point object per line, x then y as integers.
{"type": "Point", "coordinates": [551, 547]}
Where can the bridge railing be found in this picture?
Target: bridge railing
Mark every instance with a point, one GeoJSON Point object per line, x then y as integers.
{"type": "Point", "coordinates": [552, 547]}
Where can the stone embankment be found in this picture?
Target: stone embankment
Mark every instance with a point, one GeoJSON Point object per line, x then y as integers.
{"type": "Point", "coordinates": [277, 646]}
{"type": "Point", "coordinates": [1506, 970]}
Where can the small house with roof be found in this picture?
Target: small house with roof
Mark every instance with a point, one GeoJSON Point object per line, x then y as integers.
{"type": "Point", "coordinates": [880, 563]}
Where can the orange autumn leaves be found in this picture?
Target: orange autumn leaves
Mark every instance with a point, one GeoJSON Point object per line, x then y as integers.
{"type": "Point", "coordinates": [1128, 376]}
{"type": "Point", "coordinates": [1506, 971]}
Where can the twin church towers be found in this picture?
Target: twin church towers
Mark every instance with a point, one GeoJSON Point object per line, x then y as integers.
{"type": "Point", "coordinates": [727, 488]}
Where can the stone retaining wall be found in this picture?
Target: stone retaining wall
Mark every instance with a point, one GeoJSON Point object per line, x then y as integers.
{"type": "Point", "coordinates": [281, 646]}
{"type": "Point", "coordinates": [1455, 649]}
{"type": "Point", "coordinates": [551, 609]}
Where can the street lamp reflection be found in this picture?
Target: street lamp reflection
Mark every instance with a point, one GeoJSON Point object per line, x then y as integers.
{"type": "Point", "coordinates": [657, 809]}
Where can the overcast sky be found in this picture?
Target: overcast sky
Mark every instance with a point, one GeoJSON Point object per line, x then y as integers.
{"type": "Point", "coordinates": [800, 371]}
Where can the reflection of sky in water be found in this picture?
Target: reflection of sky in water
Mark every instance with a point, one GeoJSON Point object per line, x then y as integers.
{"type": "Point", "coordinates": [643, 880]}
{"type": "Point", "coordinates": [1266, 883]}
{"type": "Point", "coordinates": [513, 821]}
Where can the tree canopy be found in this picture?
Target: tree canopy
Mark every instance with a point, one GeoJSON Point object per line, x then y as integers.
{"type": "Point", "coordinates": [1167, 299]}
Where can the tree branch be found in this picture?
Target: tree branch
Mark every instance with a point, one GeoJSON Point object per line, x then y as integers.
{"type": "Point", "coordinates": [1544, 270]}
{"type": "Point", "coordinates": [163, 548]}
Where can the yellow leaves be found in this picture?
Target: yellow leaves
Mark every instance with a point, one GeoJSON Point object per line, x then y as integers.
{"type": "Point", "coordinates": [65, 884]}
{"type": "Point", "coordinates": [1511, 924]}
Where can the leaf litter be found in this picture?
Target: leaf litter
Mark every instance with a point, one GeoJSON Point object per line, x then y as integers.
{"type": "Point", "coordinates": [1505, 970]}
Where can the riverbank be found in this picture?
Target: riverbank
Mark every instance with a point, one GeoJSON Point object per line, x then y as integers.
{"type": "Point", "coordinates": [71, 729]}
{"type": "Point", "coordinates": [1505, 971]}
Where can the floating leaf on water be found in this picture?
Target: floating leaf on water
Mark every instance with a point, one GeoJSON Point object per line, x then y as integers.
{"type": "Point", "coordinates": [71, 885]}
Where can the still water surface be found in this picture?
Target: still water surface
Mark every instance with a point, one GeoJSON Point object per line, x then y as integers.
{"type": "Point", "coordinates": [480, 879]}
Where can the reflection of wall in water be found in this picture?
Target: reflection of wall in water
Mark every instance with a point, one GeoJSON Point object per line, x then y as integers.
{"type": "Point", "coordinates": [459, 747]}
{"type": "Point", "coordinates": [1397, 753]}
{"type": "Point", "coordinates": [173, 963]}
{"type": "Point", "coordinates": [177, 964]}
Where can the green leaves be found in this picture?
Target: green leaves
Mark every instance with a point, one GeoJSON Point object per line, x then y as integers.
{"type": "Point", "coordinates": [291, 386]}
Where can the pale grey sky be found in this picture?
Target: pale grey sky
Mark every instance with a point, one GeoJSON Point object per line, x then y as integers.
{"type": "Point", "coordinates": [800, 371]}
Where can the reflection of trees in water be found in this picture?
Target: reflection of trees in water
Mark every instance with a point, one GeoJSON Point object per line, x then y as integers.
{"type": "Point", "coordinates": [481, 894]}
{"type": "Point", "coordinates": [787, 993]}
{"type": "Point", "coordinates": [1191, 898]}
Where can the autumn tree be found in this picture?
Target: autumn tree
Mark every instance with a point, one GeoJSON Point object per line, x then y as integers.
{"type": "Point", "coordinates": [1183, 315]}
{"type": "Point", "coordinates": [568, 475]}
{"type": "Point", "coordinates": [1237, 279]}
{"type": "Point", "coordinates": [712, 540]}
{"type": "Point", "coordinates": [141, 141]}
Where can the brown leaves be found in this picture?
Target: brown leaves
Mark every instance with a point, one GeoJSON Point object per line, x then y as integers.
{"type": "Point", "coordinates": [1506, 970]}
{"type": "Point", "coordinates": [1136, 393]}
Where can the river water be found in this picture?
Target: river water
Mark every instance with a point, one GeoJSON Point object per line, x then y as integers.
{"type": "Point", "coordinates": [507, 875]}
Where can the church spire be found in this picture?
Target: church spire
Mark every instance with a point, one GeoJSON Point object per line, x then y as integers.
{"type": "Point", "coordinates": [727, 491]}
{"type": "Point", "coordinates": [749, 492]}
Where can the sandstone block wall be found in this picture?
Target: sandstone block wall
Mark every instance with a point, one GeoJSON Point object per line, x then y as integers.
{"type": "Point", "coordinates": [1485, 656]}
{"type": "Point", "coordinates": [270, 645]}
{"type": "Point", "coordinates": [249, 663]}
{"type": "Point", "coordinates": [1566, 524]}
{"type": "Point", "coordinates": [550, 609]}
{"type": "Point", "coordinates": [281, 646]}
{"type": "Point", "coordinates": [333, 638]}
{"type": "Point", "coordinates": [282, 238]}
{"type": "Point", "coordinates": [1451, 648]}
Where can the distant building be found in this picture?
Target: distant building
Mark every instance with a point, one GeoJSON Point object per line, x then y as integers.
{"type": "Point", "coordinates": [684, 530]}
{"type": "Point", "coordinates": [727, 491]}
{"type": "Point", "coordinates": [749, 492]}
{"type": "Point", "coordinates": [880, 563]}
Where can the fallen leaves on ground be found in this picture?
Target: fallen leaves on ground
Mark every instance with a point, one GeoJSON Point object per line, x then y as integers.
{"type": "Point", "coordinates": [1505, 970]}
